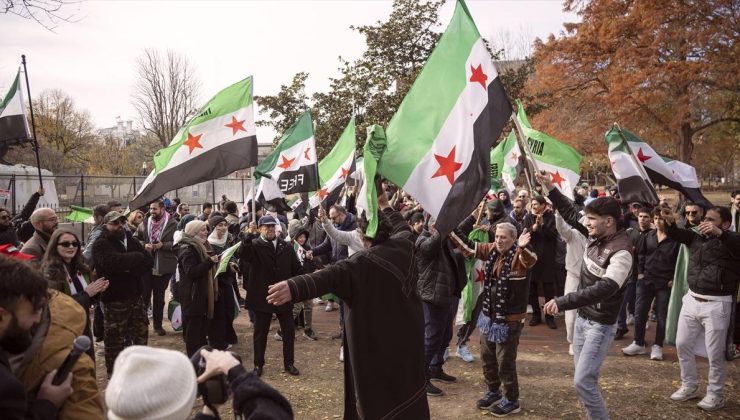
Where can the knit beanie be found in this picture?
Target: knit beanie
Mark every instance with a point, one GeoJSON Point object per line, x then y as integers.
{"type": "Point", "coordinates": [141, 385]}
{"type": "Point", "coordinates": [193, 227]}
{"type": "Point", "coordinates": [215, 220]}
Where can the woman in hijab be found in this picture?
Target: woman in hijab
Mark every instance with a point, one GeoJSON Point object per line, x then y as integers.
{"type": "Point", "coordinates": [221, 332]}
{"type": "Point", "coordinates": [503, 195]}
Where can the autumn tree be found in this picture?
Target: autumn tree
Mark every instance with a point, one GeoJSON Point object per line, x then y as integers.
{"type": "Point", "coordinates": [165, 94]}
{"type": "Point", "coordinates": [667, 70]}
{"type": "Point", "coordinates": [129, 156]}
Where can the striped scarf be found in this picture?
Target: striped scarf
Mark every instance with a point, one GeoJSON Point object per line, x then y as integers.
{"type": "Point", "coordinates": [493, 322]}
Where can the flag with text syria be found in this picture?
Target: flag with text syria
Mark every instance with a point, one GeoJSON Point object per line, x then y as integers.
{"type": "Point", "coordinates": [219, 140]}
{"type": "Point", "coordinates": [439, 141]}
{"type": "Point", "coordinates": [291, 168]}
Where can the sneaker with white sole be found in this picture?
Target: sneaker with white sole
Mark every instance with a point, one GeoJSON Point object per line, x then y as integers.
{"type": "Point", "coordinates": [634, 349]}
{"type": "Point", "coordinates": [570, 350]}
{"type": "Point", "coordinates": [685, 393]}
{"type": "Point", "coordinates": [711, 403]}
{"type": "Point", "coordinates": [656, 353]}
{"type": "Point", "coordinates": [529, 309]}
{"type": "Point", "coordinates": [463, 352]}
{"type": "Point", "coordinates": [341, 353]}
{"type": "Point", "coordinates": [329, 306]}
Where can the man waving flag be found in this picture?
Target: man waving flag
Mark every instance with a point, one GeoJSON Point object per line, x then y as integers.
{"type": "Point", "coordinates": [219, 140]}
{"type": "Point", "coordinates": [439, 141]}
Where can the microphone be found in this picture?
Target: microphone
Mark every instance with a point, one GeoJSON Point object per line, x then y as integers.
{"type": "Point", "coordinates": [80, 345]}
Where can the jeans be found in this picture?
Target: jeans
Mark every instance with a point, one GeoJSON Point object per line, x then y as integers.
{"type": "Point", "coordinates": [499, 362]}
{"type": "Point", "coordinates": [628, 304]}
{"type": "Point", "coordinates": [591, 341]}
{"type": "Point", "coordinates": [706, 321]}
{"type": "Point", "coordinates": [645, 295]}
{"type": "Point", "coordinates": [437, 322]}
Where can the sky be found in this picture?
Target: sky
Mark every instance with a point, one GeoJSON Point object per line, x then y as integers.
{"type": "Point", "coordinates": [93, 58]}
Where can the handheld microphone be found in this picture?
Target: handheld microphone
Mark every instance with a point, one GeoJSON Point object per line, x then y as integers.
{"type": "Point", "coordinates": [80, 345]}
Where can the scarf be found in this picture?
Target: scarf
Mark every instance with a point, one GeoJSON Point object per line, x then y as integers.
{"type": "Point", "coordinates": [493, 322]}
{"type": "Point", "coordinates": [156, 227]}
{"type": "Point", "coordinates": [214, 240]}
{"type": "Point", "coordinates": [212, 282]}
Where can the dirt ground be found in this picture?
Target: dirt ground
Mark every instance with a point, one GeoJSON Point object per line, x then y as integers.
{"type": "Point", "coordinates": [634, 387]}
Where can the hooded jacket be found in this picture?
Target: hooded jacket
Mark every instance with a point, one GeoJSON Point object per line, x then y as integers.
{"type": "Point", "coordinates": [441, 269]}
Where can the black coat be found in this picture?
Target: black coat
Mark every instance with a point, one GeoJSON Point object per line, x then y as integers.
{"type": "Point", "coordinates": [377, 286]}
{"type": "Point", "coordinates": [124, 268]}
{"type": "Point", "coordinates": [194, 277]}
{"type": "Point", "coordinates": [267, 264]}
{"type": "Point", "coordinates": [544, 243]}
{"type": "Point", "coordinates": [441, 269]}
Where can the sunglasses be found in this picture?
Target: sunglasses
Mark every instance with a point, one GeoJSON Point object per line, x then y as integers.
{"type": "Point", "coordinates": [691, 212]}
{"type": "Point", "coordinates": [69, 244]}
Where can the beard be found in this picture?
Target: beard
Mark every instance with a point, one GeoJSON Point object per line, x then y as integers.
{"type": "Point", "coordinates": [16, 340]}
{"type": "Point", "coordinates": [116, 234]}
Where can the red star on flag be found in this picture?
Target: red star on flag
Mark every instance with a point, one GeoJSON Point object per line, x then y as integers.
{"type": "Point", "coordinates": [642, 156]}
{"type": "Point", "coordinates": [447, 166]}
{"type": "Point", "coordinates": [236, 126]}
{"type": "Point", "coordinates": [480, 275]}
{"type": "Point", "coordinates": [345, 173]}
{"type": "Point", "coordinates": [478, 75]}
{"type": "Point", "coordinates": [323, 193]}
{"type": "Point", "coordinates": [305, 153]}
{"type": "Point", "coordinates": [286, 162]}
{"type": "Point", "coordinates": [557, 178]}
{"type": "Point", "coordinates": [514, 156]}
{"type": "Point", "coordinates": [193, 142]}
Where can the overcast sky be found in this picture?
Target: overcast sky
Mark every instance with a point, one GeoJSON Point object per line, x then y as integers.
{"type": "Point", "coordinates": [93, 59]}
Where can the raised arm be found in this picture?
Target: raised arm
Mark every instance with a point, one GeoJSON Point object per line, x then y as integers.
{"type": "Point", "coordinates": [616, 274]}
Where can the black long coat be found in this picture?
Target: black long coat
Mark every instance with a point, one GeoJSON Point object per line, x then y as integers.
{"type": "Point", "coordinates": [266, 264]}
{"type": "Point", "coordinates": [382, 306]}
{"type": "Point", "coordinates": [544, 242]}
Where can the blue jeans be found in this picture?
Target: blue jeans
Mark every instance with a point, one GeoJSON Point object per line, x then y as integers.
{"type": "Point", "coordinates": [628, 304]}
{"type": "Point", "coordinates": [437, 334]}
{"type": "Point", "coordinates": [591, 341]}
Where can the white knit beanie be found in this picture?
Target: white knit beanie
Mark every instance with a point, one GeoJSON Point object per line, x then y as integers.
{"type": "Point", "coordinates": [151, 383]}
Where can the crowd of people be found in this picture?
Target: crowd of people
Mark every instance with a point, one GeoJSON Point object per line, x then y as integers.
{"type": "Point", "coordinates": [607, 265]}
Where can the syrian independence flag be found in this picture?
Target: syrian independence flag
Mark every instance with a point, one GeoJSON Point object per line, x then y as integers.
{"type": "Point", "coordinates": [367, 198]}
{"type": "Point", "coordinates": [561, 161]}
{"type": "Point", "coordinates": [13, 122]}
{"type": "Point", "coordinates": [336, 167]}
{"type": "Point", "coordinates": [671, 173]}
{"type": "Point", "coordinates": [291, 168]}
{"type": "Point", "coordinates": [218, 141]}
{"type": "Point", "coordinates": [440, 139]}
{"type": "Point", "coordinates": [506, 164]}
{"type": "Point", "coordinates": [632, 180]}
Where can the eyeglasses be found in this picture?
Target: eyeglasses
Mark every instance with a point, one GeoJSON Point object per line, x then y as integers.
{"type": "Point", "coordinates": [691, 212]}
{"type": "Point", "coordinates": [69, 244]}
{"type": "Point", "coordinates": [53, 219]}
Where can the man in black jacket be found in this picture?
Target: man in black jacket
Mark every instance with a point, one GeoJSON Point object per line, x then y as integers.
{"type": "Point", "coordinates": [606, 267]}
{"type": "Point", "coordinates": [22, 298]}
{"type": "Point", "coordinates": [713, 274]}
{"type": "Point", "coordinates": [441, 280]}
{"type": "Point", "coordinates": [125, 263]}
{"type": "Point", "coordinates": [270, 260]}
{"type": "Point", "coordinates": [540, 222]}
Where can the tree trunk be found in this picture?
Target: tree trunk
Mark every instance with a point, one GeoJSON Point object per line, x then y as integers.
{"type": "Point", "coordinates": [685, 146]}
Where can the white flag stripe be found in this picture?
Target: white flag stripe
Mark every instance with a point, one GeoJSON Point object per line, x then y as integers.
{"type": "Point", "coordinates": [683, 174]}
{"type": "Point", "coordinates": [456, 132]}
{"type": "Point", "coordinates": [298, 156]}
{"type": "Point", "coordinates": [570, 178]}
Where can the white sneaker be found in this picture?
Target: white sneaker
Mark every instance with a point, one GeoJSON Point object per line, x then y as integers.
{"type": "Point", "coordinates": [329, 307]}
{"type": "Point", "coordinates": [570, 350]}
{"type": "Point", "coordinates": [529, 309]}
{"type": "Point", "coordinates": [630, 319]}
{"type": "Point", "coordinates": [463, 352]}
{"type": "Point", "coordinates": [656, 353]}
{"type": "Point", "coordinates": [711, 403]}
{"type": "Point", "coordinates": [633, 350]}
{"type": "Point", "coordinates": [341, 353]}
{"type": "Point", "coordinates": [685, 393]}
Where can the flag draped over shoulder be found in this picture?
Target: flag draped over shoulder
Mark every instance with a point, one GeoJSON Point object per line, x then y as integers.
{"type": "Point", "coordinates": [13, 122]}
{"type": "Point", "coordinates": [560, 160]}
{"type": "Point", "coordinates": [671, 173]}
{"type": "Point", "coordinates": [506, 163]}
{"type": "Point", "coordinates": [632, 181]}
{"type": "Point", "coordinates": [291, 168]}
{"type": "Point", "coordinates": [439, 141]}
{"type": "Point", "coordinates": [219, 140]}
{"type": "Point", "coordinates": [336, 167]}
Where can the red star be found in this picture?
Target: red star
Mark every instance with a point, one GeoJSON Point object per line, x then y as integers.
{"type": "Point", "coordinates": [447, 166]}
{"type": "Point", "coordinates": [236, 126]}
{"type": "Point", "coordinates": [557, 179]}
{"type": "Point", "coordinates": [305, 153]}
{"type": "Point", "coordinates": [323, 193]}
{"type": "Point", "coordinates": [642, 156]}
{"type": "Point", "coordinates": [514, 156]}
{"type": "Point", "coordinates": [478, 75]}
{"type": "Point", "coordinates": [480, 275]}
{"type": "Point", "coordinates": [345, 173]}
{"type": "Point", "coordinates": [193, 142]}
{"type": "Point", "coordinates": [286, 162]}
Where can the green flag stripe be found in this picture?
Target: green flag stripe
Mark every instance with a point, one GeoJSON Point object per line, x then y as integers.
{"type": "Point", "coordinates": [11, 92]}
{"type": "Point", "coordinates": [298, 132]}
{"type": "Point", "coordinates": [339, 153]}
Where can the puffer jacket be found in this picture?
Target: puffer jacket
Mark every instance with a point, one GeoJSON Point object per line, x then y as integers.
{"type": "Point", "coordinates": [714, 262]}
{"type": "Point", "coordinates": [441, 269]}
{"type": "Point", "coordinates": [607, 263]}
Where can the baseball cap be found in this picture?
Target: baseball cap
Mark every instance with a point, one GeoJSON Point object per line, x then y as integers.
{"type": "Point", "coordinates": [266, 221]}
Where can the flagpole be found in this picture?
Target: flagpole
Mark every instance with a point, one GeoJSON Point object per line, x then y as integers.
{"type": "Point", "coordinates": [254, 199]}
{"type": "Point", "coordinates": [33, 121]}
{"type": "Point", "coordinates": [637, 163]}
{"type": "Point", "coordinates": [521, 138]}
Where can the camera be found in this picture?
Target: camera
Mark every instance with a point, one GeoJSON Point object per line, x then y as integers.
{"type": "Point", "coordinates": [216, 389]}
